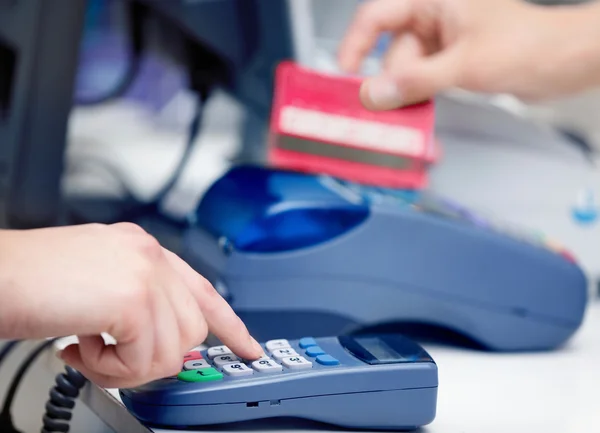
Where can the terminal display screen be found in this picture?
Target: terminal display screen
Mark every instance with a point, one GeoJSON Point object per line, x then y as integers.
{"type": "Point", "coordinates": [377, 347]}
{"type": "Point", "coordinates": [384, 349]}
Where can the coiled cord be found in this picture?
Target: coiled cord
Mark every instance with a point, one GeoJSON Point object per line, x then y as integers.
{"type": "Point", "coordinates": [62, 400]}
{"type": "Point", "coordinates": [6, 422]}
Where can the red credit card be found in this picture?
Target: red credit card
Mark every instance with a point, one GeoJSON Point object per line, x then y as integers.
{"type": "Point", "coordinates": [318, 125]}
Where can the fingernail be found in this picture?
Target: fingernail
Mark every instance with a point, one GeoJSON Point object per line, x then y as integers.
{"type": "Point", "coordinates": [384, 93]}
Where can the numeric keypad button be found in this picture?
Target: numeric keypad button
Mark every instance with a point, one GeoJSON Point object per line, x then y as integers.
{"type": "Point", "coordinates": [213, 352]}
{"type": "Point", "coordinates": [237, 369]}
{"type": "Point", "coordinates": [266, 365]}
{"type": "Point", "coordinates": [196, 364]}
{"type": "Point", "coordinates": [277, 344]}
{"type": "Point", "coordinates": [192, 355]}
{"type": "Point", "coordinates": [222, 360]}
{"type": "Point", "coordinates": [284, 353]}
{"type": "Point", "coordinates": [296, 363]}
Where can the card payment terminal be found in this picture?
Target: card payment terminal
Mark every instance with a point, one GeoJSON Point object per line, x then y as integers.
{"type": "Point", "coordinates": [384, 382]}
{"type": "Point", "coordinates": [309, 255]}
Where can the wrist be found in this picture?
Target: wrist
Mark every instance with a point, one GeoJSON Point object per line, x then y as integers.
{"type": "Point", "coordinates": [577, 49]}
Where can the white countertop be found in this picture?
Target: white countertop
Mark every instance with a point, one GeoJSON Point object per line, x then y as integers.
{"type": "Point", "coordinates": [478, 392]}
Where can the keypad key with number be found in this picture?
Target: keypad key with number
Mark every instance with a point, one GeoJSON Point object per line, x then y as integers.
{"type": "Point", "coordinates": [213, 352]}
{"type": "Point", "coordinates": [204, 375]}
{"type": "Point", "coordinates": [277, 344]}
{"type": "Point", "coordinates": [266, 366]}
{"type": "Point", "coordinates": [284, 353]}
{"type": "Point", "coordinates": [192, 355]}
{"type": "Point", "coordinates": [296, 363]}
{"type": "Point", "coordinates": [196, 364]}
{"type": "Point", "coordinates": [237, 370]}
{"type": "Point", "coordinates": [220, 361]}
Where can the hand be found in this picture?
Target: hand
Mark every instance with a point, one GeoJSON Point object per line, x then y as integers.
{"type": "Point", "coordinates": [492, 46]}
{"type": "Point", "coordinates": [93, 279]}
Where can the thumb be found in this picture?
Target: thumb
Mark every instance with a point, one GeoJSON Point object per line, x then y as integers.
{"type": "Point", "coordinates": [417, 82]}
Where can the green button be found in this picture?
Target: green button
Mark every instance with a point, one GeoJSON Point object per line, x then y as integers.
{"type": "Point", "coordinates": [204, 375]}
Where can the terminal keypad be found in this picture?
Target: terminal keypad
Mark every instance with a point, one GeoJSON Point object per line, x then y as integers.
{"type": "Point", "coordinates": [280, 357]}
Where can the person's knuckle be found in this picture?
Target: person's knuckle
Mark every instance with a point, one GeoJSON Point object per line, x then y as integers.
{"type": "Point", "coordinates": [212, 300]}
{"type": "Point", "coordinates": [131, 321]}
{"type": "Point", "coordinates": [130, 227]}
{"type": "Point", "coordinates": [196, 332]}
{"type": "Point", "coordinates": [206, 286]}
{"type": "Point", "coordinates": [149, 247]}
{"type": "Point", "coordinates": [97, 227]}
{"type": "Point", "coordinates": [201, 329]}
{"type": "Point", "coordinates": [194, 327]}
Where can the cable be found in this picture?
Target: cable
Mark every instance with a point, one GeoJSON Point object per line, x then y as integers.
{"type": "Point", "coordinates": [6, 423]}
{"type": "Point", "coordinates": [203, 79]}
{"type": "Point", "coordinates": [206, 70]}
{"type": "Point", "coordinates": [7, 349]}
{"type": "Point", "coordinates": [139, 209]}
{"type": "Point", "coordinates": [62, 400]}
{"type": "Point", "coordinates": [62, 396]}
{"type": "Point", "coordinates": [193, 132]}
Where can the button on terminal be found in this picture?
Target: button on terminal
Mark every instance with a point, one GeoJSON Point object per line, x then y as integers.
{"type": "Point", "coordinates": [192, 355]}
{"type": "Point", "coordinates": [314, 351]}
{"type": "Point", "coordinates": [284, 353]}
{"type": "Point", "coordinates": [196, 364]}
{"type": "Point", "coordinates": [222, 360]}
{"type": "Point", "coordinates": [327, 360]}
{"type": "Point", "coordinates": [273, 345]}
{"type": "Point", "coordinates": [204, 375]}
{"type": "Point", "coordinates": [213, 352]}
{"type": "Point", "coordinates": [266, 366]}
{"type": "Point", "coordinates": [307, 342]}
{"type": "Point", "coordinates": [296, 363]}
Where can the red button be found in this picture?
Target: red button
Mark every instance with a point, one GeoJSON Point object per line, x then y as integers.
{"type": "Point", "coordinates": [192, 356]}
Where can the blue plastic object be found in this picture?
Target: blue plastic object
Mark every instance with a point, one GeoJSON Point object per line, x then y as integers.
{"type": "Point", "coordinates": [353, 387]}
{"type": "Point", "coordinates": [587, 211]}
{"type": "Point", "coordinates": [397, 258]}
{"type": "Point", "coordinates": [307, 342]}
{"type": "Point", "coordinates": [314, 351]}
{"type": "Point", "coordinates": [250, 208]}
{"type": "Point", "coordinates": [327, 360]}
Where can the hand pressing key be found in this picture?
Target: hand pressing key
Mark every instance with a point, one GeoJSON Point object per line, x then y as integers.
{"type": "Point", "coordinates": [93, 279]}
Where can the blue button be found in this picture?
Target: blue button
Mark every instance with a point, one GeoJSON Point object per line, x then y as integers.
{"type": "Point", "coordinates": [307, 342]}
{"type": "Point", "coordinates": [314, 351]}
{"type": "Point", "coordinates": [327, 360]}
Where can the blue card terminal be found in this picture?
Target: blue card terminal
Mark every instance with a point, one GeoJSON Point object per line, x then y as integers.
{"type": "Point", "coordinates": [306, 255]}
{"type": "Point", "coordinates": [383, 382]}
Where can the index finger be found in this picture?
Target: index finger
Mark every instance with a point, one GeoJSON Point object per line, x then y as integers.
{"type": "Point", "coordinates": [370, 21]}
{"type": "Point", "coordinates": [220, 317]}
